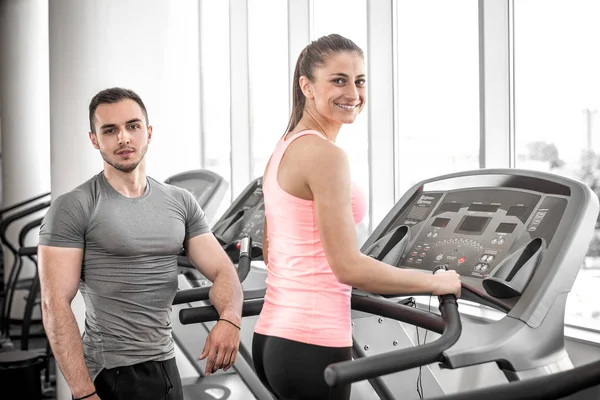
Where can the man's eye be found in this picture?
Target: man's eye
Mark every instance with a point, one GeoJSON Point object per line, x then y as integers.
{"type": "Point", "coordinates": [338, 81]}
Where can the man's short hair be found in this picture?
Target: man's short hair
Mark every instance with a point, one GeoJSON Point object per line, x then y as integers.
{"type": "Point", "coordinates": [114, 95]}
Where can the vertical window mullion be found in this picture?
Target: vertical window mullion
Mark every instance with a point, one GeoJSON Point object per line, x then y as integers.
{"type": "Point", "coordinates": [201, 111]}
{"type": "Point", "coordinates": [298, 35]}
{"type": "Point", "coordinates": [495, 84]}
{"type": "Point", "coordinates": [380, 100]}
{"type": "Point", "coordinates": [241, 130]}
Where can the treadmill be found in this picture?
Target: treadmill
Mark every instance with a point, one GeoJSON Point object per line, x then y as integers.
{"type": "Point", "coordinates": [516, 237]}
{"type": "Point", "coordinates": [242, 222]}
{"type": "Point", "coordinates": [208, 188]}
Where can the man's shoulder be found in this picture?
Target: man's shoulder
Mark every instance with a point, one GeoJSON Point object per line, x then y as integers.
{"type": "Point", "coordinates": [84, 193]}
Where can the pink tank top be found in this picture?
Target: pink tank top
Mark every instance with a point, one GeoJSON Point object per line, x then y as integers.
{"type": "Point", "coordinates": [304, 301]}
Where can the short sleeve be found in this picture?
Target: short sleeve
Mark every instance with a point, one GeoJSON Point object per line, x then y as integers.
{"type": "Point", "coordinates": [64, 225]}
{"type": "Point", "coordinates": [195, 221]}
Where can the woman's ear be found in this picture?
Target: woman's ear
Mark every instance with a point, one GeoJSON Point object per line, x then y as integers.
{"type": "Point", "coordinates": [306, 87]}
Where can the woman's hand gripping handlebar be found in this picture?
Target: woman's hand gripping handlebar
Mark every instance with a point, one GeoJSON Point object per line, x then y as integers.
{"type": "Point", "coordinates": [447, 283]}
{"type": "Point", "coordinates": [347, 372]}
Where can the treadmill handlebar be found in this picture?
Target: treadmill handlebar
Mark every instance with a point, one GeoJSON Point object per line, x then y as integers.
{"type": "Point", "coordinates": [191, 295]}
{"type": "Point", "coordinates": [347, 372]}
{"type": "Point", "coordinates": [245, 257]}
{"type": "Point", "coordinates": [202, 293]}
{"type": "Point", "coordinates": [194, 315]}
{"type": "Point", "coordinates": [554, 386]}
{"type": "Point", "coordinates": [400, 312]}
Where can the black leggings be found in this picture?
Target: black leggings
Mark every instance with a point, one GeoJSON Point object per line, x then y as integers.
{"type": "Point", "coordinates": [294, 371]}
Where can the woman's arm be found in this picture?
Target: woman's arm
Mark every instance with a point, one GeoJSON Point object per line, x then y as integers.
{"type": "Point", "coordinates": [327, 174]}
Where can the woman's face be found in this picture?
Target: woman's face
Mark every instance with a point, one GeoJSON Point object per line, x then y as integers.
{"type": "Point", "coordinates": [339, 87]}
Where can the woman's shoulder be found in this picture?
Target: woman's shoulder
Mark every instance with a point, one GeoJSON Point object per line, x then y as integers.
{"type": "Point", "coordinates": [313, 144]}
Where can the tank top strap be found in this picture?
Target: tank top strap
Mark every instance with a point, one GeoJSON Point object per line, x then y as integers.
{"type": "Point", "coordinates": [300, 134]}
{"type": "Point", "coordinates": [284, 144]}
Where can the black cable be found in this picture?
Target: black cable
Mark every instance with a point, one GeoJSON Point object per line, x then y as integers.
{"type": "Point", "coordinates": [419, 391]}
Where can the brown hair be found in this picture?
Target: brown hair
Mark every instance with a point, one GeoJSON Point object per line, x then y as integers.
{"type": "Point", "coordinates": [314, 55]}
{"type": "Point", "coordinates": [110, 96]}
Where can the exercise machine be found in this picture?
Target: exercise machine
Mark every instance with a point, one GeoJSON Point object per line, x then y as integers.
{"type": "Point", "coordinates": [517, 238]}
{"type": "Point", "coordinates": [208, 188]}
{"type": "Point", "coordinates": [239, 230]}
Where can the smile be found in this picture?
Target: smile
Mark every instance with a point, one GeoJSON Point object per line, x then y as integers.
{"type": "Point", "coordinates": [347, 106]}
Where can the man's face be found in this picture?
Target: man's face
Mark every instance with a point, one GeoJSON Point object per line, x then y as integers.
{"type": "Point", "coordinates": [121, 134]}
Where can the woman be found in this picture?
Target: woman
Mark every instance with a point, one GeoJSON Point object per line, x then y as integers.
{"type": "Point", "coordinates": [310, 249]}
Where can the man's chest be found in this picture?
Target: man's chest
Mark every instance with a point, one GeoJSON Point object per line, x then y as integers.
{"type": "Point", "coordinates": [145, 228]}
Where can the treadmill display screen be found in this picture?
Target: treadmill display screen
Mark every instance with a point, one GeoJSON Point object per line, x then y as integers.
{"type": "Point", "coordinates": [440, 222]}
{"type": "Point", "coordinates": [418, 212]}
{"type": "Point", "coordinates": [451, 207]}
{"type": "Point", "coordinates": [484, 207]}
{"type": "Point", "coordinates": [471, 224]}
{"type": "Point", "coordinates": [506, 228]}
{"type": "Point", "coordinates": [517, 211]}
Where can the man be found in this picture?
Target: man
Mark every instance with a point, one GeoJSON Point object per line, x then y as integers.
{"type": "Point", "coordinates": [116, 239]}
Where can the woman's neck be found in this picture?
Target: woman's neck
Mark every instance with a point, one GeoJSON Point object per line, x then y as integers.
{"type": "Point", "coordinates": [313, 121]}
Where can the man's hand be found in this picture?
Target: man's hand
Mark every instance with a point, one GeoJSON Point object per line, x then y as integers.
{"type": "Point", "coordinates": [221, 347]}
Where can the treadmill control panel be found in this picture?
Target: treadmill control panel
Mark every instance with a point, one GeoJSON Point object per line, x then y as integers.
{"type": "Point", "coordinates": [472, 231]}
{"type": "Point", "coordinates": [254, 216]}
{"type": "Point", "coordinates": [245, 217]}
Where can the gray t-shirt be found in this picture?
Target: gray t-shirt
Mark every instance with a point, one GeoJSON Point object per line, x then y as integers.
{"type": "Point", "coordinates": [129, 270]}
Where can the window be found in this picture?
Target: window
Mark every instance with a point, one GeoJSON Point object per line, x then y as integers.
{"type": "Point", "coordinates": [214, 36]}
{"type": "Point", "coordinates": [349, 19]}
{"type": "Point", "coordinates": [438, 89]}
{"type": "Point", "coordinates": [269, 70]}
{"type": "Point", "coordinates": [557, 98]}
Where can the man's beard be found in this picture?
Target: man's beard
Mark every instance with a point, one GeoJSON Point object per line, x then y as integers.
{"type": "Point", "coordinates": [127, 168]}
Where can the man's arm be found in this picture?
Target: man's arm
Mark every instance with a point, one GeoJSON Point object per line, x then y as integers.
{"type": "Point", "coordinates": [59, 272]}
{"type": "Point", "coordinates": [207, 255]}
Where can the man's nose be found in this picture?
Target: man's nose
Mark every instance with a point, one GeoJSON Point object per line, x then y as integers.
{"type": "Point", "coordinates": [123, 136]}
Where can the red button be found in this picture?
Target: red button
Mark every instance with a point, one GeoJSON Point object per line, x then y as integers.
{"type": "Point", "coordinates": [461, 260]}
{"type": "Point", "coordinates": [238, 245]}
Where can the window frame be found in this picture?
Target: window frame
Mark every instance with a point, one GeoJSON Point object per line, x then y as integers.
{"type": "Point", "coordinates": [496, 91]}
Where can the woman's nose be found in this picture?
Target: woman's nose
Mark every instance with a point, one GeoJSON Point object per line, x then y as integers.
{"type": "Point", "coordinates": [352, 92]}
